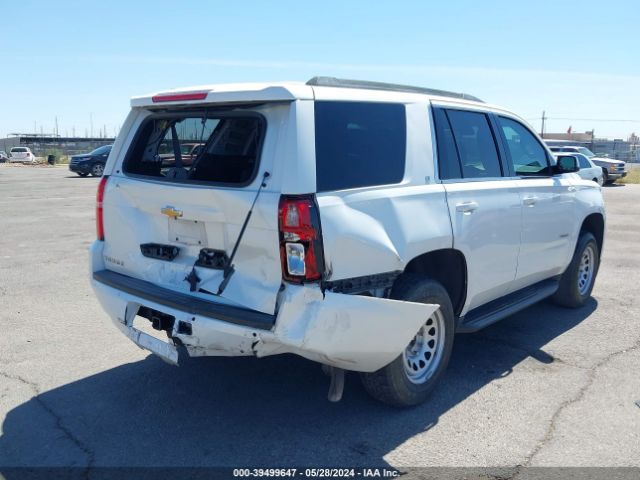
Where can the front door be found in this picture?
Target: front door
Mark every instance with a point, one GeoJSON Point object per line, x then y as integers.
{"type": "Point", "coordinates": [547, 205]}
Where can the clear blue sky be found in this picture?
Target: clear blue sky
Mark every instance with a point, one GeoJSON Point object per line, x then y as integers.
{"type": "Point", "coordinates": [76, 59]}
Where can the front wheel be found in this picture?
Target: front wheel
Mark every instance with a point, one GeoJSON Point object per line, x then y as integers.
{"type": "Point", "coordinates": [579, 278]}
{"type": "Point", "coordinates": [411, 377]}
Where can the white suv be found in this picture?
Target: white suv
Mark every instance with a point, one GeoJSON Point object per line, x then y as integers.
{"type": "Point", "coordinates": [356, 224]}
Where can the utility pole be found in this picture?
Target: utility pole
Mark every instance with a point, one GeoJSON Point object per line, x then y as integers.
{"type": "Point", "coordinates": [91, 122]}
{"type": "Point", "coordinates": [56, 126]}
{"type": "Point", "coordinates": [542, 127]}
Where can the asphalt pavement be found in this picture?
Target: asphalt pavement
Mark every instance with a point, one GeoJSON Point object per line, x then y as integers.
{"type": "Point", "coordinates": [546, 387]}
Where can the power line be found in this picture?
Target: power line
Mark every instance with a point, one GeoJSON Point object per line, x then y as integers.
{"type": "Point", "coordinates": [585, 119]}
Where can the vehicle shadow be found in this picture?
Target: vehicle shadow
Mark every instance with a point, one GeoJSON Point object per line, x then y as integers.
{"type": "Point", "coordinates": [255, 412]}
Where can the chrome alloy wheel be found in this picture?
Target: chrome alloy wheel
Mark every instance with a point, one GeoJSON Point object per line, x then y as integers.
{"type": "Point", "coordinates": [586, 270]}
{"type": "Point", "coordinates": [423, 354]}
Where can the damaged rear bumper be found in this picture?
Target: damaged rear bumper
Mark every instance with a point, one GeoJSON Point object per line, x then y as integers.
{"type": "Point", "coordinates": [346, 331]}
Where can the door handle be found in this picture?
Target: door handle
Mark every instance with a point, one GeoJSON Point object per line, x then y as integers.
{"type": "Point", "coordinates": [467, 207]}
{"type": "Point", "coordinates": [530, 201]}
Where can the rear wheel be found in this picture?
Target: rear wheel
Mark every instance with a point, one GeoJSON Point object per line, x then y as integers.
{"type": "Point", "coordinates": [411, 377]}
{"type": "Point", "coordinates": [97, 170]}
{"type": "Point", "coordinates": [578, 279]}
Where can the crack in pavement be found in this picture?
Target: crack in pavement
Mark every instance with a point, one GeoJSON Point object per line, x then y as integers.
{"type": "Point", "coordinates": [579, 396]}
{"type": "Point", "coordinates": [58, 420]}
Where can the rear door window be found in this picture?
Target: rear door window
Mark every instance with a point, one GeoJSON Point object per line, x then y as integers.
{"type": "Point", "coordinates": [204, 147]}
{"type": "Point", "coordinates": [359, 144]}
{"type": "Point", "coordinates": [475, 144]}
{"type": "Point", "coordinates": [527, 154]}
{"type": "Point", "coordinates": [448, 161]}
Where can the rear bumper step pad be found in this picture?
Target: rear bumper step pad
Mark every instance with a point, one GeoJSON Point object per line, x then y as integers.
{"type": "Point", "coordinates": [185, 303]}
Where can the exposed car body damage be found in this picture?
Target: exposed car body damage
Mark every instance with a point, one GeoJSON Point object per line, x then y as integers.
{"type": "Point", "coordinates": [353, 332]}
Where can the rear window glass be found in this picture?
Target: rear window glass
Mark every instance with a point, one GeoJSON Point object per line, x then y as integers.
{"type": "Point", "coordinates": [475, 144]}
{"type": "Point", "coordinates": [222, 148]}
{"type": "Point", "coordinates": [18, 150]}
{"type": "Point", "coordinates": [359, 144]}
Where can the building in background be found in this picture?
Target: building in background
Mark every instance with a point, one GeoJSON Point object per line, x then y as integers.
{"type": "Point", "coordinates": [626, 150]}
{"type": "Point", "coordinates": [45, 144]}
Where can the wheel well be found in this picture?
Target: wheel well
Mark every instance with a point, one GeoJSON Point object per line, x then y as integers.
{"type": "Point", "coordinates": [447, 266]}
{"type": "Point", "coordinates": [594, 224]}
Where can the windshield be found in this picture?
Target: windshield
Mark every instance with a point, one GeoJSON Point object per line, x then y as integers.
{"type": "Point", "coordinates": [101, 150]}
{"type": "Point", "coordinates": [586, 151]}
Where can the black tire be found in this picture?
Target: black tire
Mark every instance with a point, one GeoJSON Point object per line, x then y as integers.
{"type": "Point", "coordinates": [97, 170]}
{"type": "Point", "coordinates": [391, 384]}
{"type": "Point", "coordinates": [569, 294]}
{"type": "Point", "coordinates": [605, 177]}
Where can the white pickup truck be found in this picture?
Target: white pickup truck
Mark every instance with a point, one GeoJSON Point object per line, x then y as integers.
{"type": "Point", "coordinates": [357, 224]}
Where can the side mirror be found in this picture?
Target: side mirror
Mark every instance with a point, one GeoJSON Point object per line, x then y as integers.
{"type": "Point", "coordinates": [566, 164]}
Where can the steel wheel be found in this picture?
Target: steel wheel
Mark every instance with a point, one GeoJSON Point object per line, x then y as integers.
{"type": "Point", "coordinates": [423, 354]}
{"type": "Point", "coordinates": [586, 269]}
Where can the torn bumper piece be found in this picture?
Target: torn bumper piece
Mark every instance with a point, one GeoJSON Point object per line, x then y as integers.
{"type": "Point", "coordinates": [346, 331]}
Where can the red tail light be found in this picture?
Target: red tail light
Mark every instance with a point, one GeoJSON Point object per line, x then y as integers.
{"type": "Point", "coordinates": [300, 239]}
{"type": "Point", "coordinates": [99, 211]}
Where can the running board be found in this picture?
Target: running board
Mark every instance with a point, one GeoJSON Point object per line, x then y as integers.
{"type": "Point", "coordinates": [500, 308]}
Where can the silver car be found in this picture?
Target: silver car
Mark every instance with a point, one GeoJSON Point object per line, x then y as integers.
{"type": "Point", "coordinates": [588, 169]}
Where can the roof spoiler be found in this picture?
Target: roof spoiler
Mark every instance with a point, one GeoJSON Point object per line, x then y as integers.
{"type": "Point", "coordinates": [392, 87]}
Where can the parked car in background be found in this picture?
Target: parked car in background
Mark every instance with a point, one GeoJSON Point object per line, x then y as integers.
{"type": "Point", "coordinates": [386, 218]}
{"type": "Point", "coordinates": [21, 155]}
{"type": "Point", "coordinates": [612, 169]}
{"type": "Point", "coordinates": [588, 169]}
{"type": "Point", "coordinates": [90, 163]}
{"type": "Point", "coordinates": [3, 156]}
{"type": "Point", "coordinates": [188, 153]}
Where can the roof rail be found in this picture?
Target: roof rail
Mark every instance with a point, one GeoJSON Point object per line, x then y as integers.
{"type": "Point", "coordinates": [365, 84]}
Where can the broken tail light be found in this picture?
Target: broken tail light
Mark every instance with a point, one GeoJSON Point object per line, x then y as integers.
{"type": "Point", "coordinates": [99, 209]}
{"type": "Point", "coordinates": [300, 239]}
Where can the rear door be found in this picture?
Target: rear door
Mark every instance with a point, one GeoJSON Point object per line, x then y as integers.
{"type": "Point", "coordinates": [484, 205]}
{"type": "Point", "coordinates": [586, 168]}
{"type": "Point", "coordinates": [159, 203]}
